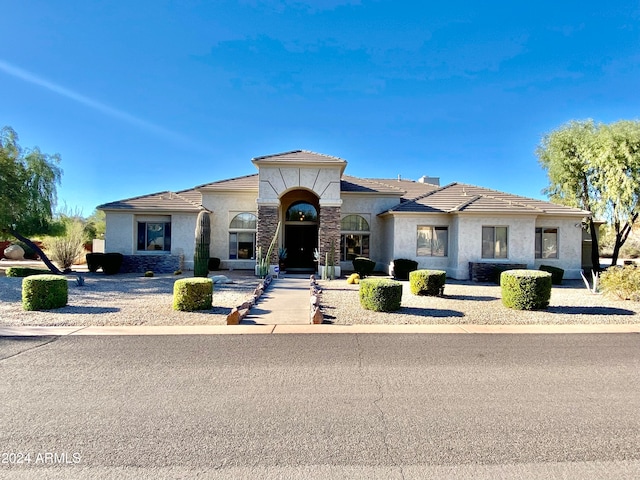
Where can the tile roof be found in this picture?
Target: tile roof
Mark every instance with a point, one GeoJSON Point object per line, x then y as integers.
{"type": "Point", "coordinates": [185, 201]}
{"type": "Point", "coordinates": [460, 197]}
{"type": "Point", "coordinates": [298, 156]}
{"type": "Point", "coordinates": [248, 182]}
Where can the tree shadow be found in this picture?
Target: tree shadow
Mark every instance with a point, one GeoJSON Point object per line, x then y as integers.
{"type": "Point", "coordinates": [79, 310]}
{"type": "Point", "coordinates": [568, 310]}
{"type": "Point", "coordinates": [429, 312]}
{"type": "Point", "coordinates": [473, 298]}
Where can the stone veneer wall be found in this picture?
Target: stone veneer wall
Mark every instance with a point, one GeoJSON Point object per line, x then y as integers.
{"type": "Point", "coordinates": [485, 271]}
{"type": "Point", "coordinates": [155, 263]}
{"type": "Point", "coordinates": [267, 224]}
{"type": "Point", "coordinates": [328, 230]}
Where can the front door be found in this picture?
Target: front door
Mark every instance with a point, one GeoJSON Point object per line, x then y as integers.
{"type": "Point", "coordinates": [300, 241]}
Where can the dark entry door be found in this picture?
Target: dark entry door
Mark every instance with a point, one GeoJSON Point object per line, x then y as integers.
{"type": "Point", "coordinates": [301, 241]}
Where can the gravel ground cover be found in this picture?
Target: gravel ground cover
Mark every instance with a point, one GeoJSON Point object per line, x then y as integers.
{"type": "Point", "coordinates": [124, 299]}
{"type": "Point", "coordinates": [478, 304]}
{"type": "Point", "coordinates": [131, 299]}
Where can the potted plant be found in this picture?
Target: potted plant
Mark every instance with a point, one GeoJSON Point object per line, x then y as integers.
{"type": "Point", "coordinates": [282, 256]}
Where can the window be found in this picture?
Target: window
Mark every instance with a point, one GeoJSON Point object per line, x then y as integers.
{"type": "Point", "coordinates": [154, 236]}
{"type": "Point", "coordinates": [494, 242]}
{"type": "Point", "coordinates": [546, 242]}
{"type": "Point", "coordinates": [354, 237]}
{"type": "Point", "coordinates": [301, 212]}
{"type": "Point", "coordinates": [433, 241]}
{"type": "Point", "coordinates": [242, 236]}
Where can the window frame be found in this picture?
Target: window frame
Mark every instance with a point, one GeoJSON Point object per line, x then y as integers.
{"type": "Point", "coordinates": [234, 237]}
{"type": "Point", "coordinates": [363, 237]}
{"type": "Point", "coordinates": [494, 242]}
{"type": "Point", "coordinates": [539, 251]}
{"type": "Point", "coordinates": [434, 229]}
{"type": "Point", "coordinates": [142, 238]}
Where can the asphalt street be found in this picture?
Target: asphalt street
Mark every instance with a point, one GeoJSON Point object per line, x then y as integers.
{"type": "Point", "coordinates": [320, 406]}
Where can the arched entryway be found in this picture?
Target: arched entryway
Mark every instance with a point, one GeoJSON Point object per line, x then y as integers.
{"type": "Point", "coordinates": [300, 213]}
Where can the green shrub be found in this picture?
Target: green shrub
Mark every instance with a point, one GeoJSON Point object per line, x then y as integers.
{"type": "Point", "coordinates": [363, 266]}
{"type": "Point", "coordinates": [191, 294]}
{"type": "Point", "coordinates": [148, 273]}
{"type": "Point", "coordinates": [427, 282]}
{"type": "Point", "coordinates": [402, 267]}
{"type": "Point", "coordinates": [25, 271]}
{"type": "Point", "coordinates": [557, 273]}
{"type": "Point", "coordinates": [525, 289]}
{"type": "Point", "coordinates": [623, 282]}
{"type": "Point", "coordinates": [380, 295]}
{"type": "Point", "coordinates": [214, 264]}
{"type": "Point", "coordinates": [44, 292]}
{"type": "Point", "coordinates": [94, 261]}
{"type": "Point", "coordinates": [111, 263]}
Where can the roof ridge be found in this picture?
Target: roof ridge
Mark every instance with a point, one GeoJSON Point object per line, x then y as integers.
{"type": "Point", "coordinates": [262, 157]}
{"type": "Point", "coordinates": [177, 194]}
{"type": "Point", "coordinates": [510, 202]}
{"type": "Point", "coordinates": [221, 181]}
{"type": "Point", "coordinates": [134, 198]}
{"type": "Point", "coordinates": [420, 197]}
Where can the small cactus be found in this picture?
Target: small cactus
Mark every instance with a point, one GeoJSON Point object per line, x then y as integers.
{"type": "Point", "coordinates": [80, 281]}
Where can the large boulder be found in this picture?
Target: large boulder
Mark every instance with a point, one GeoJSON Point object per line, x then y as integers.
{"type": "Point", "coordinates": [14, 252]}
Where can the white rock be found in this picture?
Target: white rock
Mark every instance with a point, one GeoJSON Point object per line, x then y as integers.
{"type": "Point", "coordinates": [221, 279]}
{"type": "Point", "coordinates": [14, 252]}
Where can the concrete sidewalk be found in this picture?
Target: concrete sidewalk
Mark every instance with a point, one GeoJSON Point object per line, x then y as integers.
{"type": "Point", "coordinates": [285, 302]}
{"type": "Point", "coordinates": [20, 331]}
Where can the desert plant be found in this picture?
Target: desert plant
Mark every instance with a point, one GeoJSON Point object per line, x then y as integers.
{"type": "Point", "coordinates": [427, 282]}
{"type": "Point", "coordinates": [94, 261]}
{"type": "Point", "coordinates": [557, 273]}
{"type": "Point", "coordinates": [24, 271]}
{"type": "Point", "coordinates": [44, 292]}
{"type": "Point", "coordinates": [148, 273]}
{"type": "Point", "coordinates": [265, 262]}
{"type": "Point", "coordinates": [191, 294]}
{"type": "Point", "coordinates": [363, 266]}
{"type": "Point", "coordinates": [402, 267]}
{"type": "Point", "coordinates": [111, 263]}
{"type": "Point", "coordinates": [80, 281]}
{"type": "Point", "coordinates": [380, 294]}
{"type": "Point", "coordinates": [354, 278]}
{"type": "Point", "coordinates": [525, 289]}
{"type": "Point", "coordinates": [66, 249]}
{"type": "Point", "coordinates": [178, 272]}
{"type": "Point", "coordinates": [623, 282]}
{"type": "Point", "coordinates": [203, 240]}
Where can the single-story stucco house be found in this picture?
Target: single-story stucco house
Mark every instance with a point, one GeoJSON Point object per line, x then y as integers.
{"type": "Point", "coordinates": [445, 227]}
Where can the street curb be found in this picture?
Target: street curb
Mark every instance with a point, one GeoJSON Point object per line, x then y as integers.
{"type": "Point", "coordinates": [43, 331]}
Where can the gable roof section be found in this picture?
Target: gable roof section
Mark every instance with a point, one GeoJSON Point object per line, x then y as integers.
{"type": "Point", "coordinates": [463, 198]}
{"type": "Point", "coordinates": [297, 157]}
{"type": "Point", "coordinates": [246, 183]}
{"type": "Point", "coordinates": [184, 201]}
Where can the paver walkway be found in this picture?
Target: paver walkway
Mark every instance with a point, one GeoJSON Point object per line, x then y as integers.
{"type": "Point", "coordinates": [285, 302]}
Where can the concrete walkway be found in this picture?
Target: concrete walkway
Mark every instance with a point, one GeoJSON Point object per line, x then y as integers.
{"type": "Point", "coordinates": [285, 302]}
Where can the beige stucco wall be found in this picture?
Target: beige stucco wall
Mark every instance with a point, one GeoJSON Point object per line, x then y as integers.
{"type": "Point", "coordinates": [224, 207]}
{"type": "Point", "coordinates": [369, 207]}
{"type": "Point", "coordinates": [569, 245]}
{"type": "Point", "coordinates": [275, 181]}
{"type": "Point", "coordinates": [121, 234]}
{"type": "Point", "coordinates": [406, 239]}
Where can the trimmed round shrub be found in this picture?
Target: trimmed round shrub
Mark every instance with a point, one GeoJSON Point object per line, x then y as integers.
{"type": "Point", "coordinates": [149, 273]}
{"type": "Point", "coordinates": [525, 289]}
{"type": "Point", "coordinates": [94, 261]}
{"type": "Point", "coordinates": [44, 292]}
{"type": "Point", "coordinates": [191, 294]}
{"type": "Point", "coordinates": [111, 263]}
{"type": "Point", "coordinates": [557, 273]}
{"type": "Point", "coordinates": [380, 294]}
{"type": "Point", "coordinates": [402, 267]}
{"type": "Point", "coordinates": [427, 282]}
{"type": "Point", "coordinates": [363, 266]}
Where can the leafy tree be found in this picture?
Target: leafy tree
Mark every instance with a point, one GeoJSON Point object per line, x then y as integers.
{"type": "Point", "coordinates": [28, 180]}
{"type": "Point", "coordinates": [596, 167]}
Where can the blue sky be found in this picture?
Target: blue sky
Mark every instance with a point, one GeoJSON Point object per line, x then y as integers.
{"type": "Point", "coordinates": [151, 95]}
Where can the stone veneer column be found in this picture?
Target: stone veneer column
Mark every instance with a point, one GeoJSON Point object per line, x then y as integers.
{"type": "Point", "coordinates": [266, 229]}
{"type": "Point", "coordinates": [329, 229]}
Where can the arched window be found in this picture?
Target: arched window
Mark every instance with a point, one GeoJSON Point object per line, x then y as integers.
{"type": "Point", "coordinates": [354, 237]}
{"type": "Point", "coordinates": [301, 212]}
{"type": "Point", "coordinates": [242, 236]}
